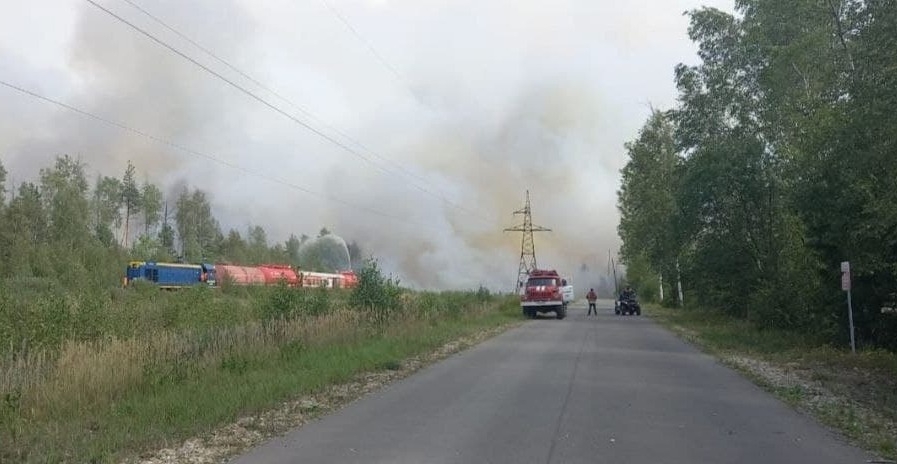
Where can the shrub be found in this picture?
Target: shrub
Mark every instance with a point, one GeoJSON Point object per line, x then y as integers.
{"type": "Point", "coordinates": [379, 295]}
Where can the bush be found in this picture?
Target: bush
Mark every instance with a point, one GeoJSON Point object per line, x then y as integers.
{"type": "Point", "coordinates": [378, 295]}
{"type": "Point", "coordinates": [282, 302]}
{"type": "Point", "coordinates": [318, 302]}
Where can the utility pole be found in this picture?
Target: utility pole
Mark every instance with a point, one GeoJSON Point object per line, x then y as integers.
{"type": "Point", "coordinates": [527, 245]}
{"type": "Point", "coordinates": [679, 284]}
{"type": "Point", "coordinates": [613, 268]}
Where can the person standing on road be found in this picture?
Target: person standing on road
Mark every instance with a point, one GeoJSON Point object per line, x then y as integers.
{"type": "Point", "coordinates": [592, 297]}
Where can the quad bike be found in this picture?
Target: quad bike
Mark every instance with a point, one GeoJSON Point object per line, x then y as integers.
{"type": "Point", "coordinates": [628, 306]}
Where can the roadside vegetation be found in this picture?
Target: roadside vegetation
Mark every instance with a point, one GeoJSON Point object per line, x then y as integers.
{"type": "Point", "coordinates": [143, 369]}
{"type": "Point", "coordinates": [853, 393]}
{"type": "Point", "coordinates": [93, 372]}
{"type": "Point", "coordinates": [779, 162]}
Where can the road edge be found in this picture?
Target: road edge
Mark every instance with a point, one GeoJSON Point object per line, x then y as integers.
{"type": "Point", "coordinates": [229, 441]}
{"type": "Point", "coordinates": [837, 413]}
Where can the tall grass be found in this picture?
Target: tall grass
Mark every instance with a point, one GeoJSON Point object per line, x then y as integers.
{"type": "Point", "coordinates": [163, 366]}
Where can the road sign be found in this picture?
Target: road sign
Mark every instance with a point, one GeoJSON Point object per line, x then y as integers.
{"type": "Point", "coordinates": [845, 266]}
{"type": "Point", "coordinates": [845, 281]}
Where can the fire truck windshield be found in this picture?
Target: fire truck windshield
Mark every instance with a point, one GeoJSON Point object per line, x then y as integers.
{"type": "Point", "coordinates": [538, 282]}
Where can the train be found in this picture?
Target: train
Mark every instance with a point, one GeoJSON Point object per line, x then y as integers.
{"type": "Point", "coordinates": [179, 275]}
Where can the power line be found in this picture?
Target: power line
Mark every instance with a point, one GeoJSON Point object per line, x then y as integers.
{"type": "Point", "coordinates": [370, 47]}
{"type": "Point", "coordinates": [245, 75]}
{"type": "Point", "coordinates": [263, 101]}
{"type": "Point", "coordinates": [404, 82]}
{"type": "Point", "coordinates": [212, 158]}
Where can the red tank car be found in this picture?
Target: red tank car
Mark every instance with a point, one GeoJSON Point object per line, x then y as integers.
{"type": "Point", "coordinates": [266, 274]}
{"type": "Point", "coordinates": [275, 273]}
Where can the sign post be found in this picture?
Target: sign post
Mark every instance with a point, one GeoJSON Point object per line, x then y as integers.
{"type": "Point", "coordinates": [845, 285]}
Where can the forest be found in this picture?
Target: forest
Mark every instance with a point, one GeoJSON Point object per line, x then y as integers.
{"type": "Point", "coordinates": [79, 230]}
{"type": "Point", "coordinates": [777, 163]}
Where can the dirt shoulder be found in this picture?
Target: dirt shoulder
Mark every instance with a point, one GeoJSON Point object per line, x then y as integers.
{"type": "Point", "coordinates": [226, 442]}
{"type": "Point", "coordinates": [854, 394]}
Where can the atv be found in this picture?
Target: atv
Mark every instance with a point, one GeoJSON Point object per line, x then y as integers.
{"type": "Point", "coordinates": [628, 306]}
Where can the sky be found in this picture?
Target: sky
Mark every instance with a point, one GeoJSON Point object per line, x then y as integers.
{"type": "Point", "coordinates": [413, 127]}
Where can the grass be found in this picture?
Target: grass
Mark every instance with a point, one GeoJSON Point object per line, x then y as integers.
{"type": "Point", "coordinates": [853, 393]}
{"type": "Point", "coordinates": [124, 392]}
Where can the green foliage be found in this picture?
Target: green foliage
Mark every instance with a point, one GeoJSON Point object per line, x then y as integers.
{"type": "Point", "coordinates": [113, 400]}
{"type": "Point", "coordinates": [106, 208]}
{"type": "Point", "coordinates": [776, 166]}
{"type": "Point", "coordinates": [198, 230]}
{"type": "Point", "coordinates": [283, 302]}
{"type": "Point", "coordinates": [319, 301]}
{"type": "Point", "coordinates": [63, 190]}
{"type": "Point", "coordinates": [483, 294]}
{"type": "Point", "coordinates": [378, 295]}
{"type": "Point", "coordinates": [642, 279]}
{"type": "Point", "coordinates": [151, 205]}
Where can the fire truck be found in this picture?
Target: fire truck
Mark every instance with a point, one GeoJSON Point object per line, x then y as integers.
{"type": "Point", "coordinates": [545, 292]}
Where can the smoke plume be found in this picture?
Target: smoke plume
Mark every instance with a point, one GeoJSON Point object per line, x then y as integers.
{"type": "Point", "coordinates": [528, 96]}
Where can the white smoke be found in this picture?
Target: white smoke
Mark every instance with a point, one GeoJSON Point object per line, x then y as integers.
{"type": "Point", "coordinates": [531, 95]}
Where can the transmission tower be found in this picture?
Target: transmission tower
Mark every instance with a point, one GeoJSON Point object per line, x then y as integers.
{"type": "Point", "coordinates": [527, 245]}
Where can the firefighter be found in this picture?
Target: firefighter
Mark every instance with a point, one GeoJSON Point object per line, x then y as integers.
{"type": "Point", "coordinates": [592, 297]}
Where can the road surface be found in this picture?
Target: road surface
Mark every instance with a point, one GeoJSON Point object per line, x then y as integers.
{"type": "Point", "coordinates": [614, 389]}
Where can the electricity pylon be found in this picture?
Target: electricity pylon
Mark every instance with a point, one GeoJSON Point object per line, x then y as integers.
{"type": "Point", "coordinates": [527, 245]}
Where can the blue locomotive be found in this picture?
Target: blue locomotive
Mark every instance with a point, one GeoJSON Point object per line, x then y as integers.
{"type": "Point", "coordinates": [171, 275]}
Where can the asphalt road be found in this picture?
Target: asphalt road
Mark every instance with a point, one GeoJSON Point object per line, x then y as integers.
{"type": "Point", "coordinates": [597, 389]}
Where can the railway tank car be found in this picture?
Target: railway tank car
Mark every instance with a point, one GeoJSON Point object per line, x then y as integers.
{"type": "Point", "coordinates": [178, 275]}
{"type": "Point", "coordinates": [266, 274]}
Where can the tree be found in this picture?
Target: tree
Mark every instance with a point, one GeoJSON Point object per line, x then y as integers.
{"type": "Point", "coordinates": [63, 190]}
{"type": "Point", "coordinates": [723, 210]}
{"type": "Point", "coordinates": [151, 205]}
{"type": "Point", "coordinates": [198, 231]}
{"type": "Point", "coordinates": [234, 248]}
{"type": "Point", "coordinates": [147, 247]}
{"type": "Point", "coordinates": [106, 205]}
{"type": "Point", "coordinates": [167, 233]}
{"type": "Point", "coordinates": [325, 254]}
{"type": "Point", "coordinates": [647, 200]}
{"type": "Point", "coordinates": [130, 199]}
{"type": "Point", "coordinates": [292, 249]}
{"type": "Point", "coordinates": [258, 244]}
{"type": "Point", "coordinates": [356, 256]}
{"type": "Point", "coordinates": [23, 228]}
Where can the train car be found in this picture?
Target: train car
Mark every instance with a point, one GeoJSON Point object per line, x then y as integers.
{"type": "Point", "coordinates": [345, 279]}
{"type": "Point", "coordinates": [276, 273]}
{"type": "Point", "coordinates": [171, 275]}
{"type": "Point", "coordinates": [267, 274]}
{"type": "Point", "coordinates": [349, 279]}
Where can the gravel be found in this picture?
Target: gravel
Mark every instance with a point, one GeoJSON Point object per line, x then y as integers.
{"type": "Point", "coordinates": [247, 432]}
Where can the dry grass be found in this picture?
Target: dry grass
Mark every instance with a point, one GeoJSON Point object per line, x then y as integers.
{"type": "Point", "coordinates": [91, 401]}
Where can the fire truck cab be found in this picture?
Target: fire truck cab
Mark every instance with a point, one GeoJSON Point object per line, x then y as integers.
{"type": "Point", "coordinates": [544, 292]}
